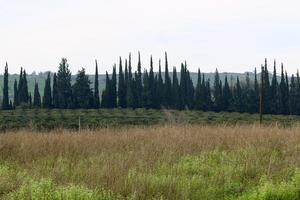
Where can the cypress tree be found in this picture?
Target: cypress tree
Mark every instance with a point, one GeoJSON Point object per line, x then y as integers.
{"type": "Point", "coordinates": [238, 103]}
{"type": "Point", "coordinates": [55, 92]}
{"type": "Point", "coordinates": [36, 96]}
{"type": "Point", "coordinates": [274, 92]}
{"type": "Point", "coordinates": [267, 97]}
{"type": "Point", "coordinates": [283, 94]}
{"type": "Point", "coordinates": [293, 96]}
{"type": "Point", "coordinates": [217, 94]}
{"type": "Point", "coordinates": [113, 94]}
{"type": "Point", "coordinates": [168, 85]}
{"type": "Point", "coordinates": [146, 91]}
{"type": "Point", "coordinates": [105, 93]}
{"type": "Point", "coordinates": [30, 100]}
{"type": "Point", "coordinates": [175, 90]}
{"type": "Point", "coordinates": [298, 93]}
{"type": "Point", "coordinates": [160, 86]}
{"type": "Point", "coordinates": [138, 83]}
{"type": "Point", "coordinates": [198, 103]}
{"type": "Point", "coordinates": [5, 102]}
{"type": "Point", "coordinates": [226, 96]}
{"type": "Point", "coordinates": [182, 88]}
{"type": "Point", "coordinates": [15, 93]}
{"type": "Point", "coordinates": [190, 90]}
{"type": "Point", "coordinates": [121, 87]}
{"type": "Point", "coordinates": [47, 98]}
{"type": "Point", "coordinates": [96, 88]}
{"type": "Point", "coordinates": [64, 89]}
{"type": "Point", "coordinates": [256, 93]}
{"type": "Point", "coordinates": [23, 88]}
{"type": "Point", "coordinates": [151, 85]}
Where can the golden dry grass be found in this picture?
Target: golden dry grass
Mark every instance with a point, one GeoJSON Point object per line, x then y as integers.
{"type": "Point", "coordinates": [105, 158]}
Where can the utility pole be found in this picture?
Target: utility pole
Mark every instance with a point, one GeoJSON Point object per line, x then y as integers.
{"type": "Point", "coordinates": [261, 99]}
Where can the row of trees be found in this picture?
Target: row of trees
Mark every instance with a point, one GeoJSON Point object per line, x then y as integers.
{"type": "Point", "coordinates": [148, 89]}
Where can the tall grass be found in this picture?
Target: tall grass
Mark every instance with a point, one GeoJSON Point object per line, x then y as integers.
{"type": "Point", "coordinates": [157, 162]}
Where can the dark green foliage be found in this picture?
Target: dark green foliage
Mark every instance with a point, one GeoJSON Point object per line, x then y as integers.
{"type": "Point", "coordinates": [121, 87]}
{"type": "Point", "coordinates": [227, 97]}
{"type": "Point", "coordinates": [47, 98]}
{"type": "Point", "coordinates": [64, 89]}
{"type": "Point", "coordinates": [55, 92]}
{"type": "Point", "coordinates": [82, 93]}
{"type": "Point", "coordinates": [283, 95]}
{"type": "Point", "coordinates": [168, 85]}
{"type": "Point", "coordinates": [36, 97]}
{"type": "Point", "coordinates": [175, 90]}
{"type": "Point", "coordinates": [5, 100]}
{"type": "Point", "coordinates": [96, 88]}
{"type": "Point", "coordinates": [217, 93]}
{"type": "Point", "coordinates": [15, 93]}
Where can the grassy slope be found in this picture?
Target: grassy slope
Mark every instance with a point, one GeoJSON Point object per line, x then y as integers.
{"type": "Point", "coordinates": [160, 162]}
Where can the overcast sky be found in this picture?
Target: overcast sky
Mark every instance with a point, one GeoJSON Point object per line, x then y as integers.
{"type": "Point", "coordinates": [233, 35]}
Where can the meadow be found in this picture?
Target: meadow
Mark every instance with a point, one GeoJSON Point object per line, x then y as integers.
{"type": "Point", "coordinates": [155, 162]}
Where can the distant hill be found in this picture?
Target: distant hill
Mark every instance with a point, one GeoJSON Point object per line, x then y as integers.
{"type": "Point", "coordinates": [41, 77]}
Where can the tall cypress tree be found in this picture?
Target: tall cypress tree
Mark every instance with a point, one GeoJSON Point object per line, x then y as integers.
{"type": "Point", "coordinates": [139, 86]}
{"type": "Point", "coordinates": [283, 94]}
{"type": "Point", "coordinates": [227, 98]}
{"type": "Point", "coordinates": [168, 85]}
{"type": "Point", "coordinates": [5, 102]}
{"type": "Point", "coordinates": [96, 88]}
{"type": "Point", "coordinates": [198, 103]}
{"type": "Point", "coordinates": [256, 93]}
{"type": "Point", "coordinates": [113, 94]}
{"type": "Point", "coordinates": [64, 89]}
{"type": "Point", "coordinates": [16, 93]}
{"type": "Point", "coordinates": [121, 87]}
{"type": "Point", "coordinates": [274, 98]}
{"type": "Point", "coordinates": [237, 94]}
{"type": "Point", "coordinates": [293, 96]}
{"type": "Point", "coordinates": [105, 93]}
{"type": "Point", "coordinates": [55, 92]}
{"type": "Point", "coordinates": [130, 101]}
{"type": "Point", "coordinates": [47, 98]}
{"type": "Point", "coordinates": [175, 90]}
{"type": "Point", "coordinates": [217, 94]}
{"type": "Point", "coordinates": [151, 85]}
{"type": "Point", "coordinates": [36, 96]}
{"type": "Point", "coordinates": [160, 86]}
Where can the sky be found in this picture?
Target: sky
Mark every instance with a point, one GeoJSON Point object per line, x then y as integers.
{"type": "Point", "coordinates": [231, 35]}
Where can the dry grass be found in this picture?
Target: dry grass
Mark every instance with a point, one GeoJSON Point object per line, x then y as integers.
{"type": "Point", "coordinates": [104, 158]}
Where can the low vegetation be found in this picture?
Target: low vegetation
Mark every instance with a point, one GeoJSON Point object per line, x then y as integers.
{"type": "Point", "coordinates": [234, 162]}
{"type": "Point", "coordinates": [43, 119]}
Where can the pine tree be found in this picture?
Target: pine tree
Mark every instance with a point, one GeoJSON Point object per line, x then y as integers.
{"type": "Point", "coordinates": [96, 88]}
{"type": "Point", "coordinates": [47, 98]}
{"type": "Point", "coordinates": [64, 89]}
{"type": "Point", "coordinates": [82, 93]}
{"type": "Point", "coordinates": [5, 102]}
{"type": "Point", "coordinates": [36, 96]}
{"type": "Point", "coordinates": [55, 99]}
{"type": "Point", "coordinates": [16, 93]}
{"type": "Point", "coordinates": [121, 87]}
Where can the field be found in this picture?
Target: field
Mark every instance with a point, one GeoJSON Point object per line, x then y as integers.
{"type": "Point", "coordinates": [42, 119]}
{"type": "Point", "coordinates": [234, 162]}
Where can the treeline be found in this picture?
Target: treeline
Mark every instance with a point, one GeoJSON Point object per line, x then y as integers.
{"type": "Point", "coordinates": [147, 89]}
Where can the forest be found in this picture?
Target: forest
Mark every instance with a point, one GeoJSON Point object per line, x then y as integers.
{"type": "Point", "coordinates": [156, 90]}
